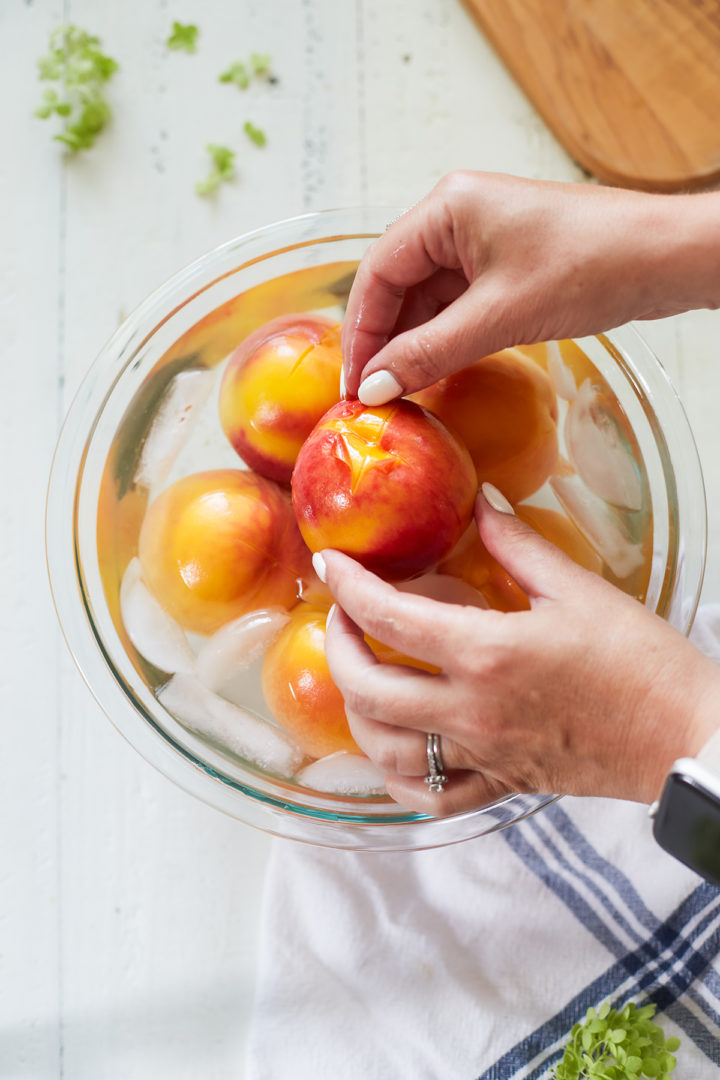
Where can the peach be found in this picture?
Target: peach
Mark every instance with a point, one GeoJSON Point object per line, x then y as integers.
{"type": "Point", "coordinates": [277, 385]}
{"type": "Point", "coordinates": [472, 561]}
{"type": "Point", "coordinates": [504, 409]}
{"type": "Point", "coordinates": [218, 544]}
{"type": "Point", "coordinates": [299, 690]}
{"type": "Point", "coordinates": [390, 486]}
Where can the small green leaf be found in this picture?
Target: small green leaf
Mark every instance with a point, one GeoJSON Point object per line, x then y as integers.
{"type": "Point", "coordinates": [260, 64]}
{"type": "Point", "coordinates": [237, 74]}
{"type": "Point", "coordinates": [183, 37]}
{"type": "Point", "coordinates": [223, 168]}
{"type": "Point", "coordinates": [255, 134]}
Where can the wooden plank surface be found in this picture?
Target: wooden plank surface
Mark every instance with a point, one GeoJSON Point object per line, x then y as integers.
{"type": "Point", "coordinates": [631, 88]}
{"type": "Point", "coordinates": [128, 910]}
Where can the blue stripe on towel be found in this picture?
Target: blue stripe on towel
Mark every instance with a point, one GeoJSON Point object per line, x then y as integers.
{"type": "Point", "coordinates": [661, 968]}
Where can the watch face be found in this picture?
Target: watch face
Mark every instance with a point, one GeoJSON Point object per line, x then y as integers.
{"type": "Point", "coordinates": [687, 825]}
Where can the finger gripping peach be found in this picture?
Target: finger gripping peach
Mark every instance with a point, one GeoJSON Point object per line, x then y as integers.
{"type": "Point", "coordinates": [277, 385]}
{"type": "Point", "coordinates": [388, 485]}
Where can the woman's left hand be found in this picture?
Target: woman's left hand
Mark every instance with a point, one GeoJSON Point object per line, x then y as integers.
{"type": "Point", "coordinates": [588, 693]}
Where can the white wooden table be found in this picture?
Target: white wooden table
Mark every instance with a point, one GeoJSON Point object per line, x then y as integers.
{"type": "Point", "coordinates": [129, 911]}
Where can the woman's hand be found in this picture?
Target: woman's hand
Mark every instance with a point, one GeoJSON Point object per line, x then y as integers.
{"type": "Point", "coordinates": [486, 261]}
{"type": "Point", "coordinates": [588, 693]}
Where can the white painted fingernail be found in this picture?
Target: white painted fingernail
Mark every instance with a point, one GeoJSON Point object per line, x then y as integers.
{"type": "Point", "coordinates": [379, 388]}
{"type": "Point", "coordinates": [343, 392]}
{"type": "Point", "coordinates": [320, 567]}
{"type": "Point", "coordinates": [330, 615]}
{"type": "Point", "coordinates": [496, 499]}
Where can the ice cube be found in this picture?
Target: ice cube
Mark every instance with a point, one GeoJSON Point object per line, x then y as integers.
{"type": "Point", "coordinates": [237, 645]}
{"type": "Point", "coordinates": [153, 632]}
{"type": "Point", "coordinates": [133, 574]}
{"type": "Point", "coordinates": [343, 774]}
{"type": "Point", "coordinates": [170, 429]}
{"type": "Point", "coordinates": [598, 451]}
{"type": "Point", "coordinates": [601, 526]}
{"type": "Point", "coordinates": [230, 726]}
{"type": "Point", "coordinates": [561, 375]}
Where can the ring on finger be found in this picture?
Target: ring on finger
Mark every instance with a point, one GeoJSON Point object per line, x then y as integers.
{"type": "Point", "coordinates": [436, 778]}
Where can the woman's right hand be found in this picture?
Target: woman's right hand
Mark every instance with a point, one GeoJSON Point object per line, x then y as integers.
{"type": "Point", "coordinates": [486, 261]}
{"type": "Point", "coordinates": [588, 693]}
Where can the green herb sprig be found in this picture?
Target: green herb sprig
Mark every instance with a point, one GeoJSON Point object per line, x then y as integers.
{"type": "Point", "coordinates": [617, 1045]}
{"type": "Point", "coordinates": [76, 62]}
{"type": "Point", "coordinates": [255, 134]}
{"type": "Point", "coordinates": [183, 37]}
{"type": "Point", "coordinates": [223, 168]}
{"type": "Point", "coordinates": [241, 73]}
{"type": "Point", "coordinates": [237, 73]}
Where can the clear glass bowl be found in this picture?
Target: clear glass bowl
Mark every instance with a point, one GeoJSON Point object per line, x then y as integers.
{"type": "Point", "coordinates": [306, 263]}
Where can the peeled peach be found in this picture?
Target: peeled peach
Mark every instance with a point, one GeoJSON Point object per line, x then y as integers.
{"type": "Point", "coordinates": [277, 385]}
{"type": "Point", "coordinates": [504, 409]}
{"type": "Point", "coordinates": [218, 544]}
{"type": "Point", "coordinates": [390, 486]}
{"type": "Point", "coordinates": [472, 561]}
{"type": "Point", "coordinates": [299, 690]}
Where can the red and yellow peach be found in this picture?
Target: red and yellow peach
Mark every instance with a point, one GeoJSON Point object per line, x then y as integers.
{"type": "Point", "coordinates": [277, 385]}
{"type": "Point", "coordinates": [389, 485]}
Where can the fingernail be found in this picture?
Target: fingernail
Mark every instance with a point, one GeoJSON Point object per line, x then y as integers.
{"type": "Point", "coordinates": [379, 388]}
{"type": "Point", "coordinates": [496, 499]}
{"type": "Point", "coordinates": [330, 615]}
{"type": "Point", "coordinates": [342, 383]}
{"type": "Point", "coordinates": [320, 567]}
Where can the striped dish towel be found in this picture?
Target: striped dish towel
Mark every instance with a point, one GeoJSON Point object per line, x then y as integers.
{"type": "Point", "coordinates": [473, 962]}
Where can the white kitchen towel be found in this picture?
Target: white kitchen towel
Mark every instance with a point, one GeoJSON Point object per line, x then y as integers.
{"type": "Point", "coordinates": [472, 962]}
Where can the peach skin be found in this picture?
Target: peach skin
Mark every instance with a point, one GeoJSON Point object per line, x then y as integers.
{"type": "Point", "coordinates": [277, 385]}
{"type": "Point", "coordinates": [390, 486]}
{"type": "Point", "coordinates": [218, 544]}
{"type": "Point", "coordinates": [299, 690]}
{"type": "Point", "coordinates": [504, 409]}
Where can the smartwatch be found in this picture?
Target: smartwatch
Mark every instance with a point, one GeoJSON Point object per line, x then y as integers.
{"type": "Point", "coordinates": [686, 817]}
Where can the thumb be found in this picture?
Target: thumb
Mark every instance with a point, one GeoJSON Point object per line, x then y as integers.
{"type": "Point", "coordinates": [466, 330]}
{"type": "Point", "coordinates": [539, 568]}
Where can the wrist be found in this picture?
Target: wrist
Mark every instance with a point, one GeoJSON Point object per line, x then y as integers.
{"type": "Point", "coordinates": [678, 253]}
{"type": "Point", "coordinates": [690, 727]}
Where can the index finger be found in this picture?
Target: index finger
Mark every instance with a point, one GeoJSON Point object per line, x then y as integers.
{"type": "Point", "coordinates": [396, 261]}
{"type": "Point", "coordinates": [423, 629]}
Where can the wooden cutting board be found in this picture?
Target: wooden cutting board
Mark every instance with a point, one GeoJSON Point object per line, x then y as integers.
{"type": "Point", "coordinates": [631, 88]}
